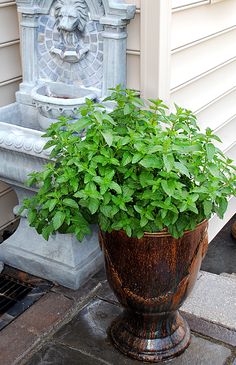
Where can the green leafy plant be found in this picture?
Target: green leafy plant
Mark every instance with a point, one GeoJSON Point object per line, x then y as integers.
{"type": "Point", "coordinates": [139, 169]}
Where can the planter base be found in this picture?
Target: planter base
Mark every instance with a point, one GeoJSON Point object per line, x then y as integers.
{"type": "Point", "coordinates": [152, 338]}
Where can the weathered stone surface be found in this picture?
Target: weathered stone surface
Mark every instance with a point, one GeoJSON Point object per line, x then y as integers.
{"type": "Point", "coordinates": [20, 336]}
{"type": "Point", "coordinates": [60, 355]}
{"type": "Point", "coordinates": [88, 334]}
{"type": "Point", "coordinates": [94, 286]}
{"type": "Point", "coordinates": [212, 330]}
{"type": "Point", "coordinates": [202, 352]}
{"type": "Point", "coordinates": [213, 299]}
{"type": "Point", "coordinates": [61, 259]}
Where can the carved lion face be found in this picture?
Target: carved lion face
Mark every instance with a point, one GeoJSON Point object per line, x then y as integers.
{"type": "Point", "coordinates": [71, 15]}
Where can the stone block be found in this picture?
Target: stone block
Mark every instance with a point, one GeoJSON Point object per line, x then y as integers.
{"type": "Point", "coordinates": [213, 299]}
{"type": "Point", "coordinates": [57, 354]}
{"type": "Point", "coordinates": [88, 333]}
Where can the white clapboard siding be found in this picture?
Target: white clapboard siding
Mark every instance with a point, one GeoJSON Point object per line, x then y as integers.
{"type": "Point", "coordinates": [8, 90]}
{"type": "Point", "coordinates": [201, 56]}
{"type": "Point", "coordinates": [216, 224]}
{"type": "Point", "coordinates": [179, 4]}
{"type": "Point", "coordinates": [227, 132]}
{"type": "Point", "coordinates": [203, 72]}
{"type": "Point", "coordinates": [9, 29]}
{"type": "Point", "coordinates": [231, 152]}
{"type": "Point", "coordinates": [133, 42]}
{"type": "Point", "coordinates": [201, 21]}
{"type": "Point", "coordinates": [133, 71]}
{"type": "Point", "coordinates": [10, 63]}
{"type": "Point", "coordinates": [205, 88]}
{"type": "Point", "coordinates": [220, 110]}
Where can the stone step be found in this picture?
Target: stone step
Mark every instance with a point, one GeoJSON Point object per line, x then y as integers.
{"type": "Point", "coordinates": [211, 307]}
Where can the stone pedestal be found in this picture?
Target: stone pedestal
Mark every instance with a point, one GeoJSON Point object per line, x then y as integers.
{"type": "Point", "coordinates": [61, 259]}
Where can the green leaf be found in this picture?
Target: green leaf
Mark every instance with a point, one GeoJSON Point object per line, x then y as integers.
{"type": "Point", "coordinates": [93, 205]}
{"type": "Point", "coordinates": [214, 170]}
{"type": "Point", "coordinates": [210, 149]}
{"type": "Point", "coordinates": [207, 206]}
{"type": "Point", "coordinates": [128, 231]}
{"type": "Point", "coordinates": [32, 215]}
{"type": "Point", "coordinates": [223, 204]}
{"type": "Point", "coordinates": [125, 140]}
{"type": "Point", "coordinates": [127, 109]}
{"type": "Point", "coordinates": [81, 124]}
{"type": "Point", "coordinates": [127, 158]}
{"type": "Point", "coordinates": [49, 144]}
{"type": "Point", "coordinates": [108, 138]}
{"type": "Point", "coordinates": [115, 187]}
{"type": "Point", "coordinates": [182, 168]}
{"type": "Point", "coordinates": [109, 211]}
{"type": "Point", "coordinates": [137, 157]}
{"type": "Point", "coordinates": [52, 204]}
{"type": "Point", "coordinates": [108, 118]}
{"type": "Point", "coordinates": [168, 187]}
{"type": "Point", "coordinates": [70, 203]}
{"type": "Point", "coordinates": [46, 232]}
{"type": "Point", "coordinates": [168, 162]}
{"type": "Point", "coordinates": [151, 162]}
{"type": "Point", "coordinates": [143, 222]}
{"type": "Point", "coordinates": [99, 117]}
{"type": "Point", "coordinates": [58, 220]}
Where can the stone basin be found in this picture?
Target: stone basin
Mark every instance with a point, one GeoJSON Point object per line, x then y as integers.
{"type": "Point", "coordinates": [53, 100]}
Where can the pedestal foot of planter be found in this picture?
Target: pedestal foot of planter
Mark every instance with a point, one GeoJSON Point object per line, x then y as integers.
{"type": "Point", "coordinates": [152, 338]}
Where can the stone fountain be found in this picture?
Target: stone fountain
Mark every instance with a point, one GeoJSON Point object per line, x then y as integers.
{"type": "Point", "coordinates": [71, 50]}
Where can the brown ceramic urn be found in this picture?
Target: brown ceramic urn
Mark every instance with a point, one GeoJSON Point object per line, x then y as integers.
{"type": "Point", "coordinates": [151, 277]}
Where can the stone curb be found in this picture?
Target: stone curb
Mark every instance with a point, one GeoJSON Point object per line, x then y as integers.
{"type": "Point", "coordinates": [211, 308]}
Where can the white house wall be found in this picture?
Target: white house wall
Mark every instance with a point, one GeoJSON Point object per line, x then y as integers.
{"type": "Point", "coordinates": [203, 64]}
{"type": "Point", "coordinates": [10, 68]}
{"type": "Point", "coordinates": [203, 71]}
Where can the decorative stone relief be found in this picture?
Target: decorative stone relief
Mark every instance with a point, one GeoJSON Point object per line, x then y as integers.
{"type": "Point", "coordinates": [21, 140]}
{"type": "Point", "coordinates": [70, 45]}
{"type": "Point", "coordinates": [71, 18]}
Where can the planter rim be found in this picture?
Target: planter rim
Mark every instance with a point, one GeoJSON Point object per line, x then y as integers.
{"type": "Point", "coordinates": [164, 232]}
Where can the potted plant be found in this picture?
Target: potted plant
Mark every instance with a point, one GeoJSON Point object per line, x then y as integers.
{"type": "Point", "coordinates": [151, 180]}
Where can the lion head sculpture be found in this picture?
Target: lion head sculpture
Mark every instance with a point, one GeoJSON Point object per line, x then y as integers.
{"type": "Point", "coordinates": [71, 15]}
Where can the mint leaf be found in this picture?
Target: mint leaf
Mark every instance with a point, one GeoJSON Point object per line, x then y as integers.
{"type": "Point", "coordinates": [151, 162]}
{"type": "Point", "coordinates": [70, 203]}
{"type": "Point", "coordinates": [127, 158]}
{"type": "Point", "coordinates": [168, 187]}
{"type": "Point", "coordinates": [207, 205]}
{"type": "Point", "coordinates": [58, 220]}
{"type": "Point", "coordinates": [108, 138]}
{"type": "Point", "coordinates": [182, 169]}
{"type": "Point", "coordinates": [210, 149]}
{"type": "Point", "coordinates": [93, 205]}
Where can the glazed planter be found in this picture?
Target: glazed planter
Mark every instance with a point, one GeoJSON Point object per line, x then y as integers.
{"type": "Point", "coordinates": [151, 277]}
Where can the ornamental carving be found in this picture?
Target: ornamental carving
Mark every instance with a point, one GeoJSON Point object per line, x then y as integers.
{"type": "Point", "coordinates": [71, 19]}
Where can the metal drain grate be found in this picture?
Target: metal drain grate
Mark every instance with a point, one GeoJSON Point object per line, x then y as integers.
{"type": "Point", "coordinates": [11, 292]}
{"type": "Point", "coordinates": [17, 295]}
